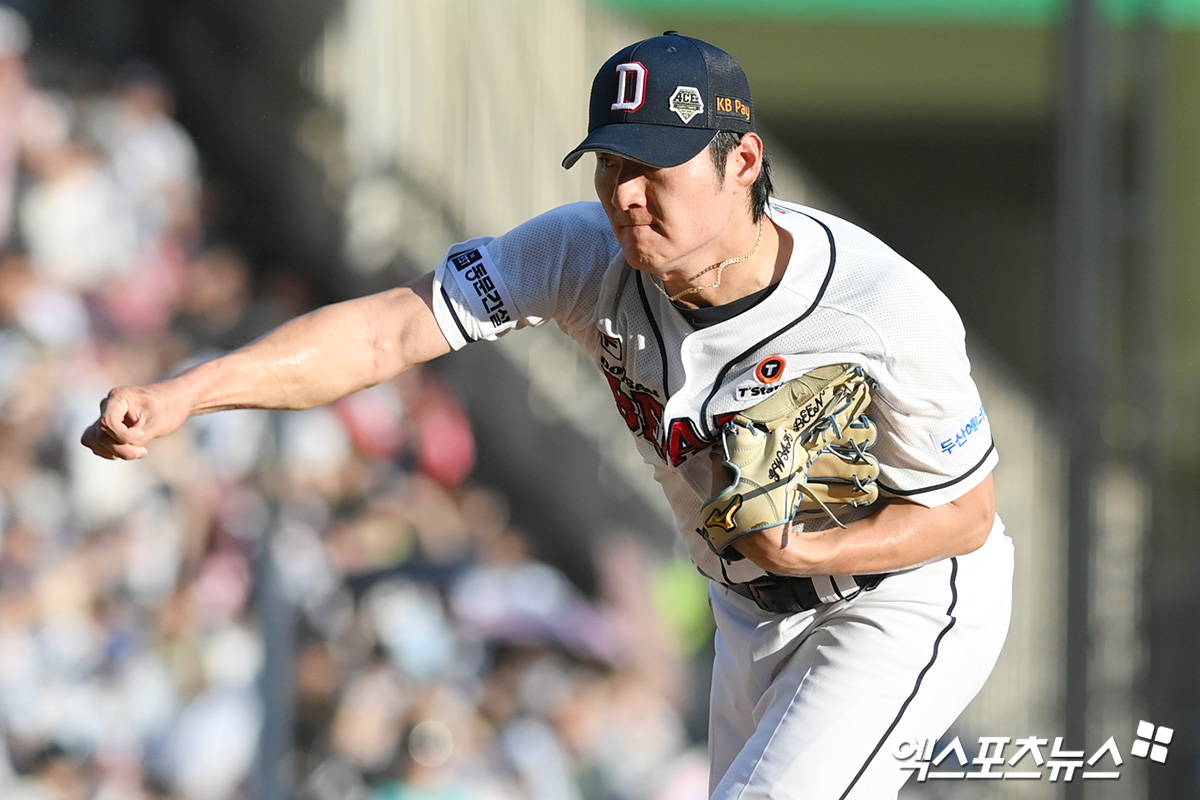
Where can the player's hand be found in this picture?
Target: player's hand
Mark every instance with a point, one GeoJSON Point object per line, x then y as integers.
{"type": "Point", "coordinates": [130, 418]}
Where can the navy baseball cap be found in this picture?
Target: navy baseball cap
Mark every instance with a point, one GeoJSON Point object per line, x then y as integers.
{"type": "Point", "coordinates": [661, 101]}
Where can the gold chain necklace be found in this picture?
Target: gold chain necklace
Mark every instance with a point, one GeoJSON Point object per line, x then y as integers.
{"type": "Point", "coordinates": [719, 267]}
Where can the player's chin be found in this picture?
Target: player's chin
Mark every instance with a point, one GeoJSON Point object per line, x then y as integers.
{"type": "Point", "coordinates": [639, 260]}
{"type": "Point", "coordinates": [642, 255]}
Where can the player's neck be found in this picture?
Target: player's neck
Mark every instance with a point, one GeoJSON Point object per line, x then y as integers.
{"type": "Point", "coordinates": [761, 266]}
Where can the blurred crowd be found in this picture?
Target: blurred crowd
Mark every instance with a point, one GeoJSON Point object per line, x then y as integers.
{"type": "Point", "coordinates": [323, 601]}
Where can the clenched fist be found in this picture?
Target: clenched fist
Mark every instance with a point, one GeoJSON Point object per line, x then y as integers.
{"type": "Point", "coordinates": [130, 418]}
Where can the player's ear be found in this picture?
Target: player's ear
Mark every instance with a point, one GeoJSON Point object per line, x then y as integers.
{"type": "Point", "coordinates": [746, 160]}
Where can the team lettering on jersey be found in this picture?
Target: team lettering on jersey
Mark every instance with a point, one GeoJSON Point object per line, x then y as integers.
{"type": "Point", "coordinates": [642, 410]}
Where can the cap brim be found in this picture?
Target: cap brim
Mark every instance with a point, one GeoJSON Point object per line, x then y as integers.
{"type": "Point", "coordinates": [652, 145]}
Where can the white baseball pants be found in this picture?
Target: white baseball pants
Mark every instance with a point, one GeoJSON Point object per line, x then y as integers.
{"type": "Point", "coordinates": [812, 706]}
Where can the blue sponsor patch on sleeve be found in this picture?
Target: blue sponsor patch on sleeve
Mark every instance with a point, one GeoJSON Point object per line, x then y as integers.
{"type": "Point", "coordinates": [969, 435]}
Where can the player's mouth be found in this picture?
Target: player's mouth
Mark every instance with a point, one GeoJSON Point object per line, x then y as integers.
{"type": "Point", "coordinates": [634, 225]}
{"type": "Point", "coordinates": [640, 235]}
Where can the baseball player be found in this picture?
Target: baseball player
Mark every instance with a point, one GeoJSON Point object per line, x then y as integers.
{"type": "Point", "coordinates": [700, 297]}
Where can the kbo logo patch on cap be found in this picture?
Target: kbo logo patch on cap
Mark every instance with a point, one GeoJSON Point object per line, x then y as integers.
{"type": "Point", "coordinates": [686, 102]}
{"type": "Point", "coordinates": [661, 101]}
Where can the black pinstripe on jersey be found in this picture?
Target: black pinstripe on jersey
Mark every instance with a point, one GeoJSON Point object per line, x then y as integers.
{"type": "Point", "coordinates": [937, 643]}
{"type": "Point", "coordinates": [943, 485]}
{"type": "Point", "coordinates": [709, 433]}
{"type": "Point", "coordinates": [454, 315]}
{"type": "Point", "coordinates": [662, 345]}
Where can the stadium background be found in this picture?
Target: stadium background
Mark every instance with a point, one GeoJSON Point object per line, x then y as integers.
{"type": "Point", "coordinates": [441, 586]}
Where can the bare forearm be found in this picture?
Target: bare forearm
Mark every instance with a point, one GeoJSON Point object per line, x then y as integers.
{"type": "Point", "coordinates": [310, 361]}
{"type": "Point", "coordinates": [318, 357]}
{"type": "Point", "coordinates": [899, 536]}
{"type": "Point", "coordinates": [306, 362]}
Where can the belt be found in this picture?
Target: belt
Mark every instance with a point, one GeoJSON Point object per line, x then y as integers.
{"type": "Point", "coordinates": [781, 594]}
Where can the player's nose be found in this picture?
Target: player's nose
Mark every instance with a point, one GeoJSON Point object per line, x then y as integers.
{"type": "Point", "coordinates": [629, 187]}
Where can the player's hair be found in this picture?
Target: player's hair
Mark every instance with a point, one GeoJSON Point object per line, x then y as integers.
{"type": "Point", "coordinates": [720, 148]}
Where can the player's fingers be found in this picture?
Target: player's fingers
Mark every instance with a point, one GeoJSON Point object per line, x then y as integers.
{"type": "Point", "coordinates": [113, 409]}
{"type": "Point", "coordinates": [101, 442]}
{"type": "Point", "coordinates": [96, 440]}
{"type": "Point", "coordinates": [129, 452]}
{"type": "Point", "coordinates": [122, 416]}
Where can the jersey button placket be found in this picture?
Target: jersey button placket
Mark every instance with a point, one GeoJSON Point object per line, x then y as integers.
{"type": "Point", "coordinates": [678, 403]}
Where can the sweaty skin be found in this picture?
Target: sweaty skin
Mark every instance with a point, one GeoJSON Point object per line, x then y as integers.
{"type": "Point", "coordinates": [671, 222]}
{"type": "Point", "coordinates": [674, 222]}
{"type": "Point", "coordinates": [307, 362]}
{"type": "Point", "coordinates": [901, 534]}
{"type": "Point", "coordinates": [816, 682]}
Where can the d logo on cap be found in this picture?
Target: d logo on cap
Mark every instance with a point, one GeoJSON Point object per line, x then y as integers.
{"type": "Point", "coordinates": [630, 98]}
{"type": "Point", "coordinates": [698, 90]}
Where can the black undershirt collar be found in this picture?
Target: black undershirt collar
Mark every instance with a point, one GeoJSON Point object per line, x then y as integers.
{"type": "Point", "coordinates": [711, 315]}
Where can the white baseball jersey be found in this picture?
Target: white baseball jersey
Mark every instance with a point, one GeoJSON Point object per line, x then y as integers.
{"type": "Point", "coordinates": [816, 704]}
{"type": "Point", "coordinates": [845, 297]}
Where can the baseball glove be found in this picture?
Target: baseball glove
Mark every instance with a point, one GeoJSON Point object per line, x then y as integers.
{"type": "Point", "coordinates": [801, 450]}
